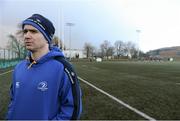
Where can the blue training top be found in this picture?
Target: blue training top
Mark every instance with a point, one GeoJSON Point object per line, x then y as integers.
{"type": "Point", "coordinates": [41, 90]}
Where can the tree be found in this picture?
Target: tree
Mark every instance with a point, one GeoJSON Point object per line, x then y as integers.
{"type": "Point", "coordinates": [106, 49]}
{"type": "Point", "coordinates": [130, 49]}
{"type": "Point", "coordinates": [17, 46]}
{"type": "Point", "coordinates": [16, 43]}
{"type": "Point", "coordinates": [89, 50]}
{"type": "Point", "coordinates": [110, 51]}
{"type": "Point", "coordinates": [119, 46]}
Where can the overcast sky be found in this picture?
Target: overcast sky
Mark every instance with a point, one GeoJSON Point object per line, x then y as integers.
{"type": "Point", "coordinates": [99, 20]}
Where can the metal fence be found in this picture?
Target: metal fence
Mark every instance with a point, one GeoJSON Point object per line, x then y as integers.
{"type": "Point", "coordinates": [8, 63]}
{"type": "Point", "coordinates": [7, 54]}
{"type": "Point", "coordinates": [8, 58]}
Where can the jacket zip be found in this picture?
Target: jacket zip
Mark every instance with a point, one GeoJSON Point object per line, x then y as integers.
{"type": "Point", "coordinates": [34, 62]}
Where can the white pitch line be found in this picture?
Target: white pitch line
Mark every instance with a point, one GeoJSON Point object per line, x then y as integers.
{"type": "Point", "coordinates": [6, 72]}
{"type": "Point", "coordinates": [119, 101]}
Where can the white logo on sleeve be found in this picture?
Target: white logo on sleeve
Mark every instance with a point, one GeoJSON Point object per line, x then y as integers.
{"type": "Point", "coordinates": [42, 86]}
{"type": "Point", "coordinates": [17, 84]}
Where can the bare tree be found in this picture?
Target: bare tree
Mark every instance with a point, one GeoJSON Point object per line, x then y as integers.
{"type": "Point", "coordinates": [89, 50]}
{"type": "Point", "coordinates": [17, 46]}
{"type": "Point", "coordinates": [110, 51]}
{"type": "Point", "coordinates": [16, 43]}
{"type": "Point", "coordinates": [106, 49]}
{"type": "Point", "coordinates": [130, 49]}
{"type": "Point", "coordinates": [119, 46]}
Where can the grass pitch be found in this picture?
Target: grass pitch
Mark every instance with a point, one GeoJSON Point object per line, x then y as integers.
{"type": "Point", "coordinates": [151, 87]}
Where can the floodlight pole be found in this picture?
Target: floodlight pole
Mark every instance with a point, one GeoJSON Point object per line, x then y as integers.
{"type": "Point", "coordinates": [70, 25]}
{"type": "Point", "coordinates": [138, 39]}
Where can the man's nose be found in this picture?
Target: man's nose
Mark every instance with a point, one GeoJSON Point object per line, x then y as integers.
{"type": "Point", "coordinates": [27, 34]}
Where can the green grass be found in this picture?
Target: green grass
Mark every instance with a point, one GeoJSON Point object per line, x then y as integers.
{"type": "Point", "coordinates": [150, 87]}
{"type": "Point", "coordinates": [98, 106]}
{"type": "Point", "coordinates": [4, 92]}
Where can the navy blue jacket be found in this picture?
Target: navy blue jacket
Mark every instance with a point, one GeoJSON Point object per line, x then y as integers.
{"type": "Point", "coordinates": [41, 90]}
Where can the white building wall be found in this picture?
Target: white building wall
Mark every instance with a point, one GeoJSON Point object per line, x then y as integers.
{"type": "Point", "coordinates": [73, 53]}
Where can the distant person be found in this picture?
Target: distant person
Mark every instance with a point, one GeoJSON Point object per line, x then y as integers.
{"type": "Point", "coordinates": [55, 44]}
{"type": "Point", "coordinates": [41, 89]}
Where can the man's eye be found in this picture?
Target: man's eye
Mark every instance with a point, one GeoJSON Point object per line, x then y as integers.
{"type": "Point", "coordinates": [33, 31]}
{"type": "Point", "coordinates": [25, 31]}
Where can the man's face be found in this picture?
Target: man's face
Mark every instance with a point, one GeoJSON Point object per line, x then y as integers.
{"type": "Point", "coordinates": [33, 39]}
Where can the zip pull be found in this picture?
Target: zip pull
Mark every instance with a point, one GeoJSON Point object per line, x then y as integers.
{"type": "Point", "coordinates": [34, 62]}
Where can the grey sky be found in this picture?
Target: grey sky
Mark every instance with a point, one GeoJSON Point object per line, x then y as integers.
{"type": "Point", "coordinates": [99, 20]}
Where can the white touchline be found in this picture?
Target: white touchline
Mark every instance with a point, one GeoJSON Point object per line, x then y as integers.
{"type": "Point", "coordinates": [6, 72]}
{"type": "Point", "coordinates": [119, 101]}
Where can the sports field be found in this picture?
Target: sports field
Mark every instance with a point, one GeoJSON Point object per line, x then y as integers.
{"type": "Point", "coordinates": [150, 88]}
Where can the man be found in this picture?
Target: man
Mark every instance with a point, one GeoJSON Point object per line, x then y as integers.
{"type": "Point", "coordinates": [41, 90]}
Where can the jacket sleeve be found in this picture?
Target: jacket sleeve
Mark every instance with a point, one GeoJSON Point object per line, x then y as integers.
{"type": "Point", "coordinates": [66, 100]}
{"type": "Point", "coordinates": [10, 106]}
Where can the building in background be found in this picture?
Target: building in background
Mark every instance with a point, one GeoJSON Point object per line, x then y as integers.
{"type": "Point", "coordinates": [74, 53]}
{"type": "Point", "coordinates": [166, 53]}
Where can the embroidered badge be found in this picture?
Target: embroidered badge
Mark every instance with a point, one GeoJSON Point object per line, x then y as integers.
{"type": "Point", "coordinates": [42, 86]}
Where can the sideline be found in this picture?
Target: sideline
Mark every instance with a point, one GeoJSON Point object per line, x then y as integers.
{"type": "Point", "coordinates": [6, 72]}
{"type": "Point", "coordinates": [119, 101]}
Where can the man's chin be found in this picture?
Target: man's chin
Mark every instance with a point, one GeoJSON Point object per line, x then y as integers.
{"type": "Point", "coordinates": [29, 48]}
